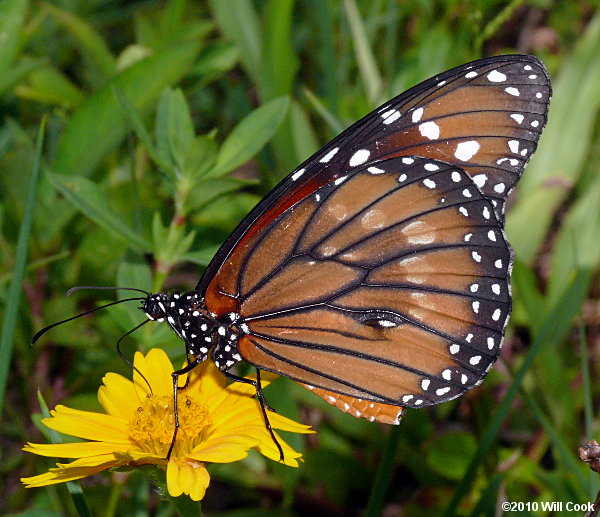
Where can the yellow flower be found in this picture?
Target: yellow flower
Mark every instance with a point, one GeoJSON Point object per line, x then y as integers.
{"type": "Point", "coordinates": [218, 424]}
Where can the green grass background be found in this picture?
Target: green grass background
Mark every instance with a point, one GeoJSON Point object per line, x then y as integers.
{"type": "Point", "coordinates": [163, 123]}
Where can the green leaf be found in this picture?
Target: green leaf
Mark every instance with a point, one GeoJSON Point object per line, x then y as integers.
{"type": "Point", "coordinates": [100, 124]}
{"type": "Point", "coordinates": [12, 14]}
{"type": "Point", "coordinates": [90, 43]}
{"type": "Point", "coordinates": [209, 190]}
{"type": "Point", "coordinates": [200, 158]}
{"type": "Point", "coordinates": [18, 72]}
{"type": "Point", "coordinates": [138, 126]}
{"type": "Point", "coordinates": [91, 201]}
{"type": "Point", "coordinates": [250, 135]}
{"type": "Point", "coordinates": [215, 61]}
{"type": "Point", "coordinates": [48, 85]}
{"type": "Point", "coordinates": [174, 127]}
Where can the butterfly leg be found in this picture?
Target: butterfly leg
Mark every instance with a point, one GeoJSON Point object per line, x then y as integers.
{"type": "Point", "coordinates": [175, 375]}
{"type": "Point", "coordinates": [263, 404]}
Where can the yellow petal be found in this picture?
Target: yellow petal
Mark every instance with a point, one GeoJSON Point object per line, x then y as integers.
{"type": "Point", "coordinates": [72, 450]}
{"type": "Point", "coordinates": [118, 396]}
{"type": "Point", "coordinates": [225, 449]}
{"type": "Point", "coordinates": [65, 473]}
{"type": "Point", "coordinates": [175, 488]}
{"type": "Point", "coordinates": [207, 381]}
{"type": "Point", "coordinates": [184, 477]}
{"type": "Point", "coordinates": [157, 368]}
{"type": "Point", "coordinates": [88, 425]}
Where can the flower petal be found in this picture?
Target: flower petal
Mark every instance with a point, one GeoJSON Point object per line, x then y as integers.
{"type": "Point", "coordinates": [185, 477]}
{"type": "Point", "coordinates": [88, 425]}
{"type": "Point", "coordinates": [69, 472]}
{"type": "Point", "coordinates": [157, 368]}
{"type": "Point", "coordinates": [225, 449]}
{"type": "Point", "coordinates": [72, 450]}
{"type": "Point", "coordinates": [118, 396]}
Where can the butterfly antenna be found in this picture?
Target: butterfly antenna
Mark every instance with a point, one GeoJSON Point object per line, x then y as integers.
{"type": "Point", "coordinates": [127, 361]}
{"type": "Point", "coordinates": [46, 329]}
{"type": "Point", "coordinates": [114, 288]}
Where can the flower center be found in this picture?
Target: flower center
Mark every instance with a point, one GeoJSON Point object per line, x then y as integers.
{"type": "Point", "coordinates": [153, 425]}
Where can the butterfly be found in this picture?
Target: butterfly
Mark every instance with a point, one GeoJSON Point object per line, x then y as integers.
{"type": "Point", "coordinates": [377, 273]}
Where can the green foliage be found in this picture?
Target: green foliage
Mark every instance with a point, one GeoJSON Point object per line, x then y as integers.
{"type": "Point", "coordinates": [166, 123]}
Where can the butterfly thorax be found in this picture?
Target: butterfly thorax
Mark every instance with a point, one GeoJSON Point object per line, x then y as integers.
{"type": "Point", "coordinates": [203, 332]}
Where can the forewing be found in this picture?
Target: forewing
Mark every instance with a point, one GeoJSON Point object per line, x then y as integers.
{"type": "Point", "coordinates": [485, 117]}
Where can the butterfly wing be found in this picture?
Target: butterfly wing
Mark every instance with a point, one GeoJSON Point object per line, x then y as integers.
{"type": "Point", "coordinates": [485, 117]}
{"type": "Point", "coordinates": [370, 275]}
{"type": "Point", "coordinates": [391, 285]}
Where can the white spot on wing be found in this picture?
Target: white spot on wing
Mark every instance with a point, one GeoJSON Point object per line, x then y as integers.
{"type": "Point", "coordinates": [496, 77]}
{"type": "Point", "coordinates": [390, 116]}
{"type": "Point", "coordinates": [429, 183]}
{"type": "Point", "coordinates": [329, 155]}
{"type": "Point", "coordinates": [513, 145]}
{"type": "Point", "coordinates": [470, 75]}
{"type": "Point", "coordinates": [375, 170]}
{"type": "Point", "coordinates": [466, 150]}
{"type": "Point", "coordinates": [517, 117]}
{"type": "Point", "coordinates": [500, 188]}
{"type": "Point", "coordinates": [297, 174]}
{"type": "Point", "coordinates": [511, 90]}
{"type": "Point", "coordinates": [480, 179]}
{"type": "Point", "coordinates": [431, 167]}
{"type": "Point", "coordinates": [430, 130]}
{"type": "Point", "coordinates": [359, 157]}
{"type": "Point", "coordinates": [417, 114]}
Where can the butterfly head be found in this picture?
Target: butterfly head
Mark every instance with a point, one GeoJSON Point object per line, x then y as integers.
{"type": "Point", "coordinates": [201, 331]}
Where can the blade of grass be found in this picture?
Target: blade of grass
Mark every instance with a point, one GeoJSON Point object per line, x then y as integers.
{"type": "Point", "coordinates": [364, 56]}
{"type": "Point", "coordinates": [555, 326]}
{"type": "Point", "coordinates": [239, 22]}
{"type": "Point", "coordinates": [561, 447]}
{"type": "Point", "coordinates": [559, 161]}
{"type": "Point", "coordinates": [384, 474]}
{"type": "Point", "coordinates": [74, 487]}
{"type": "Point", "coordinates": [16, 284]}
